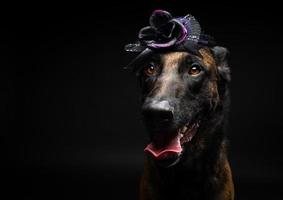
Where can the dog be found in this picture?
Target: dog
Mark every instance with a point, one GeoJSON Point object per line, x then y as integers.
{"type": "Point", "coordinates": [185, 103]}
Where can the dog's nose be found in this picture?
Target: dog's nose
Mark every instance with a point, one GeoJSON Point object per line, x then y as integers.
{"type": "Point", "coordinates": [158, 111]}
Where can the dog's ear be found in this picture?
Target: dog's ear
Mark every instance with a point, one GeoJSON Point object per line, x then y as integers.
{"type": "Point", "coordinates": [221, 58]}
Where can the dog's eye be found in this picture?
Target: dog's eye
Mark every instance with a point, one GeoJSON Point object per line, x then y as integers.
{"type": "Point", "coordinates": [150, 70]}
{"type": "Point", "coordinates": [195, 69]}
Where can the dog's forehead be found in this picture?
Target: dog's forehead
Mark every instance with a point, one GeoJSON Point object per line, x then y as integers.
{"type": "Point", "coordinates": [173, 59]}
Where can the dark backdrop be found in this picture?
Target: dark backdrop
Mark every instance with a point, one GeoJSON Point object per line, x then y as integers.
{"type": "Point", "coordinates": [71, 127]}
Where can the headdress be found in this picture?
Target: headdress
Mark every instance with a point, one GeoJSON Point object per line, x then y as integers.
{"type": "Point", "coordinates": [166, 33]}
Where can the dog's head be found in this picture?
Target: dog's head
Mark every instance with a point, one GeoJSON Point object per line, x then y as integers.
{"type": "Point", "coordinates": [180, 89]}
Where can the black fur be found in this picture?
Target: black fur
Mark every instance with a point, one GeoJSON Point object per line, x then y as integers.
{"type": "Point", "coordinates": [197, 174]}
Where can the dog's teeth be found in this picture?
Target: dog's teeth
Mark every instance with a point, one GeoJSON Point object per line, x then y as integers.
{"type": "Point", "coordinates": [184, 129]}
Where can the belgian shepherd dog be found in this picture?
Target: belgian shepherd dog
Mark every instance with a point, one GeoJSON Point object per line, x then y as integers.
{"type": "Point", "coordinates": [185, 101]}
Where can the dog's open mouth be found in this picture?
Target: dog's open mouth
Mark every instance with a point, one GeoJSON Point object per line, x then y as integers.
{"type": "Point", "coordinates": [173, 147]}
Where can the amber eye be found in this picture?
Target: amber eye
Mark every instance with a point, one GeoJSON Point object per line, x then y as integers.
{"type": "Point", "coordinates": [195, 69]}
{"type": "Point", "coordinates": [150, 70]}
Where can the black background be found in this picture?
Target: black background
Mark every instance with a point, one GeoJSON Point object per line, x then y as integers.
{"type": "Point", "coordinates": [71, 127]}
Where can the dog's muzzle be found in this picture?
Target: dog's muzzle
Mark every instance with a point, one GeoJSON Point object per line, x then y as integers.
{"type": "Point", "coordinates": [166, 140]}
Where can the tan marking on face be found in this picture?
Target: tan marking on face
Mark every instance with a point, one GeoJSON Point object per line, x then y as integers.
{"type": "Point", "coordinates": [171, 60]}
{"type": "Point", "coordinates": [169, 75]}
{"type": "Point", "coordinates": [207, 58]}
{"type": "Point", "coordinates": [209, 62]}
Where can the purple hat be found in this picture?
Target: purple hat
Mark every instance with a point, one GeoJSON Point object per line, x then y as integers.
{"type": "Point", "coordinates": [166, 33]}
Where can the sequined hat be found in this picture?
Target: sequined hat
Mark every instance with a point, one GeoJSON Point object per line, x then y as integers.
{"type": "Point", "coordinates": [167, 33]}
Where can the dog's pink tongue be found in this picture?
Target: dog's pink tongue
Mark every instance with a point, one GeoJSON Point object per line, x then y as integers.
{"type": "Point", "coordinates": [173, 147]}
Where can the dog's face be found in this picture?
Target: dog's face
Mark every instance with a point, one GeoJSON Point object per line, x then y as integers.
{"type": "Point", "coordinates": [179, 89]}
